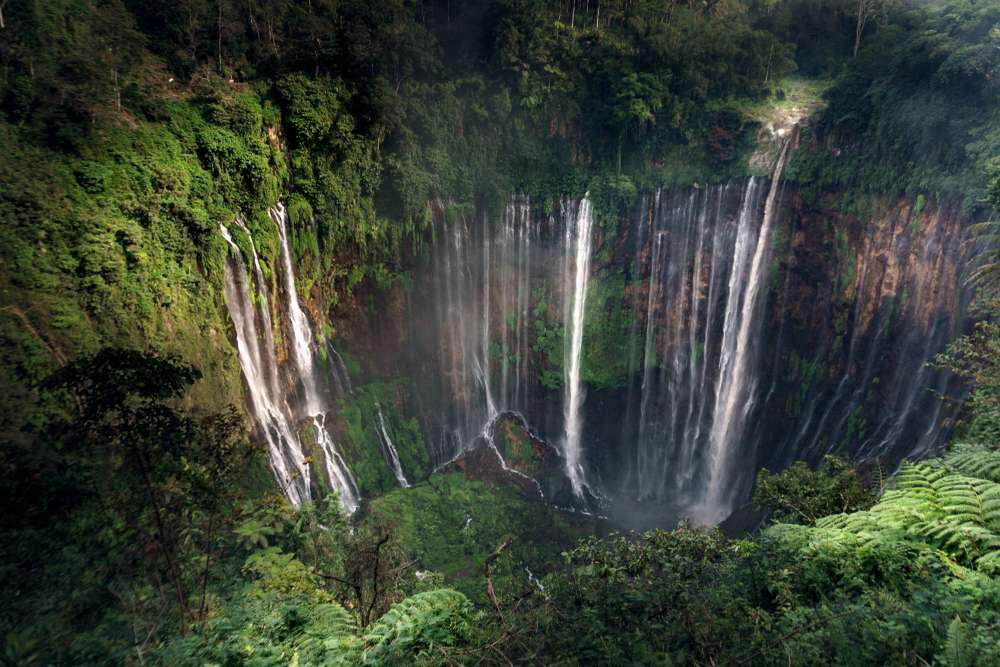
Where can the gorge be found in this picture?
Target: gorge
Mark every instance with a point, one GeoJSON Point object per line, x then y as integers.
{"type": "Point", "coordinates": [500, 332]}
{"type": "Point", "coordinates": [738, 340]}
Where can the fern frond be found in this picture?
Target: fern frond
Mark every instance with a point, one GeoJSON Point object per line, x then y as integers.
{"type": "Point", "coordinates": [429, 618]}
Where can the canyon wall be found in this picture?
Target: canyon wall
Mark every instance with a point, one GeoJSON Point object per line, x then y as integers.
{"type": "Point", "coordinates": [666, 354]}
{"type": "Point", "coordinates": [851, 307]}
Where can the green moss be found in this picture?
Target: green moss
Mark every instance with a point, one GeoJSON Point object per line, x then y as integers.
{"type": "Point", "coordinates": [451, 524]}
{"type": "Point", "coordinates": [117, 242]}
{"type": "Point", "coordinates": [918, 208]}
{"type": "Point", "coordinates": [549, 341]}
{"type": "Point", "coordinates": [847, 257]}
{"type": "Point", "coordinates": [608, 336]}
{"type": "Point", "coordinates": [359, 413]}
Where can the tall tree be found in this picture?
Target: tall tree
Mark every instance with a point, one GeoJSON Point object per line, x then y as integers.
{"type": "Point", "coordinates": [869, 11]}
{"type": "Point", "coordinates": [159, 478]}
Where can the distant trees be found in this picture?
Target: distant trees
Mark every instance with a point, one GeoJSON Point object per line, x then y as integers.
{"type": "Point", "coordinates": [68, 59]}
{"type": "Point", "coordinates": [802, 495]}
{"type": "Point", "coordinates": [641, 79]}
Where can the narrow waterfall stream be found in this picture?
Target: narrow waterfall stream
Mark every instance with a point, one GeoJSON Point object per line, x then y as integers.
{"type": "Point", "coordinates": [389, 451]}
{"type": "Point", "coordinates": [257, 359]}
{"type": "Point", "coordinates": [577, 272]}
{"type": "Point", "coordinates": [338, 474]}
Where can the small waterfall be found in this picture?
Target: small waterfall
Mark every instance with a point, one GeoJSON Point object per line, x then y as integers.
{"type": "Point", "coordinates": [341, 377]}
{"type": "Point", "coordinates": [389, 451]}
{"type": "Point", "coordinates": [257, 359]}
{"type": "Point", "coordinates": [577, 272]}
{"type": "Point", "coordinates": [338, 474]}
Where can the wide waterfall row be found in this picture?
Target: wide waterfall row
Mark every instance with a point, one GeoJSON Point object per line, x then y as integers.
{"type": "Point", "coordinates": [748, 341]}
{"type": "Point", "coordinates": [698, 279]}
{"type": "Point", "coordinates": [503, 294]}
{"type": "Point", "coordinates": [277, 405]}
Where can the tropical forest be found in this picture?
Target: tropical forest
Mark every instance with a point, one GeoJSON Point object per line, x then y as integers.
{"type": "Point", "coordinates": [500, 332]}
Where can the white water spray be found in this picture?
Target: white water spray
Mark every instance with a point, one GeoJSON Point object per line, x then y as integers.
{"type": "Point", "coordinates": [338, 474]}
{"type": "Point", "coordinates": [735, 394]}
{"type": "Point", "coordinates": [578, 239]}
{"type": "Point", "coordinates": [259, 368]}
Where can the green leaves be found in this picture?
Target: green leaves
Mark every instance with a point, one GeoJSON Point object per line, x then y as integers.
{"type": "Point", "coordinates": [802, 495]}
{"type": "Point", "coordinates": [955, 514]}
{"type": "Point", "coordinates": [414, 627]}
{"type": "Point", "coordinates": [957, 651]}
{"type": "Point", "coordinates": [253, 533]}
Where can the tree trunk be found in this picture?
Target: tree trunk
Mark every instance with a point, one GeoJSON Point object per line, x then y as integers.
{"type": "Point", "coordinates": [860, 25]}
{"type": "Point", "coordinates": [166, 547]}
{"type": "Point", "coordinates": [219, 37]}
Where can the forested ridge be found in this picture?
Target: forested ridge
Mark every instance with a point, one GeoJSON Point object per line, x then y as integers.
{"type": "Point", "coordinates": [142, 524]}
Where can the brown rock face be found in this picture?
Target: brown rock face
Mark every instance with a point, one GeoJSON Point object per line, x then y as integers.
{"type": "Point", "coordinates": [851, 309]}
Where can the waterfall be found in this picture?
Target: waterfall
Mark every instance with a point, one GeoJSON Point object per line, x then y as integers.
{"type": "Point", "coordinates": [389, 451]}
{"type": "Point", "coordinates": [257, 360]}
{"type": "Point", "coordinates": [578, 241]}
{"type": "Point", "coordinates": [683, 430]}
{"type": "Point", "coordinates": [735, 394]}
{"type": "Point", "coordinates": [481, 298]}
{"type": "Point", "coordinates": [338, 474]}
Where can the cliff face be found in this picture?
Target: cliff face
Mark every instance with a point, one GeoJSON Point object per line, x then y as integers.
{"type": "Point", "coordinates": [852, 309]}
{"type": "Point", "coordinates": [864, 303]}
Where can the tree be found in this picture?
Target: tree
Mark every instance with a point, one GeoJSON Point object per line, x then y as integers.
{"type": "Point", "coordinates": [802, 495]}
{"type": "Point", "coordinates": [161, 480]}
{"type": "Point", "coordinates": [869, 11]}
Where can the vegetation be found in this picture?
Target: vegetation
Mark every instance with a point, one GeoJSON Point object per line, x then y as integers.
{"type": "Point", "coordinates": [916, 111]}
{"type": "Point", "coordinates": [142, 527]}
{"type": "Point", "coordinates": [369, 415]}
{"type": "Point", "coordinates": [802, 495]}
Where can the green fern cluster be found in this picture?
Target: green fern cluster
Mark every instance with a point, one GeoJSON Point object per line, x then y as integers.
{"type": "Point", "coordinates": [268, 629]}
{"type": "Point", "coordinates": [974, 461]}
{"type": "Point", "coordinates": [950, 506]}
{"type": "Point", "coordinates": [405, 635]}
{"type": "Point", "coordinates": [414, 627]}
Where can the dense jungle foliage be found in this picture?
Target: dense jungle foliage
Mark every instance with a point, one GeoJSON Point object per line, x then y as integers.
{"type": "Point", "coordinates": [140, 524]}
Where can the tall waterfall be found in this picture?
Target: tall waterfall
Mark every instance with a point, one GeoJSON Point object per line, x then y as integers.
{"type": "Point", "coordinates": [696, 274]}
{"type": "Point", "coordinates": [338, 474]}
{"type": "Point", "coordinates": [735, 394]}
{"type": "Point", "coordinates": [577, 272]}
{"type": "Point", "coordinates": [480, 298]}
{"type": "Point", "coordinates": [257, 359]}
{"type": "Point", "coordinates": [274, 413]}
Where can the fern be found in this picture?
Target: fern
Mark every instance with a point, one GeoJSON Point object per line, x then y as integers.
{"type": "Point", "coordinates": [951, 505]}
{"type": "Point", "coordinates": [437, 617]}
{"type": "Point", "coordinates": [975, 461]}
{"type": "Point", "coordinates": [957, 652]}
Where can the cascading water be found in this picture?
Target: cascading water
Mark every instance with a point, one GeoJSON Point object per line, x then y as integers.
{"type": "Point", "coordinates": [257, 359]}
{"type": "Point", "coordinates": [695, 279]}
{"type": "Point", "coordinates": [577, 272]}
{"type": "Point", "coordinates": [389, 451]}
{"type": "Point", "coordinates": [710, 276]}
{"type": "Point", "coordinates": [338, 474]}
{"type": "Point", "coordinates": [735, 393]}
{"type": "Point", "coordinates": [481, 298]}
